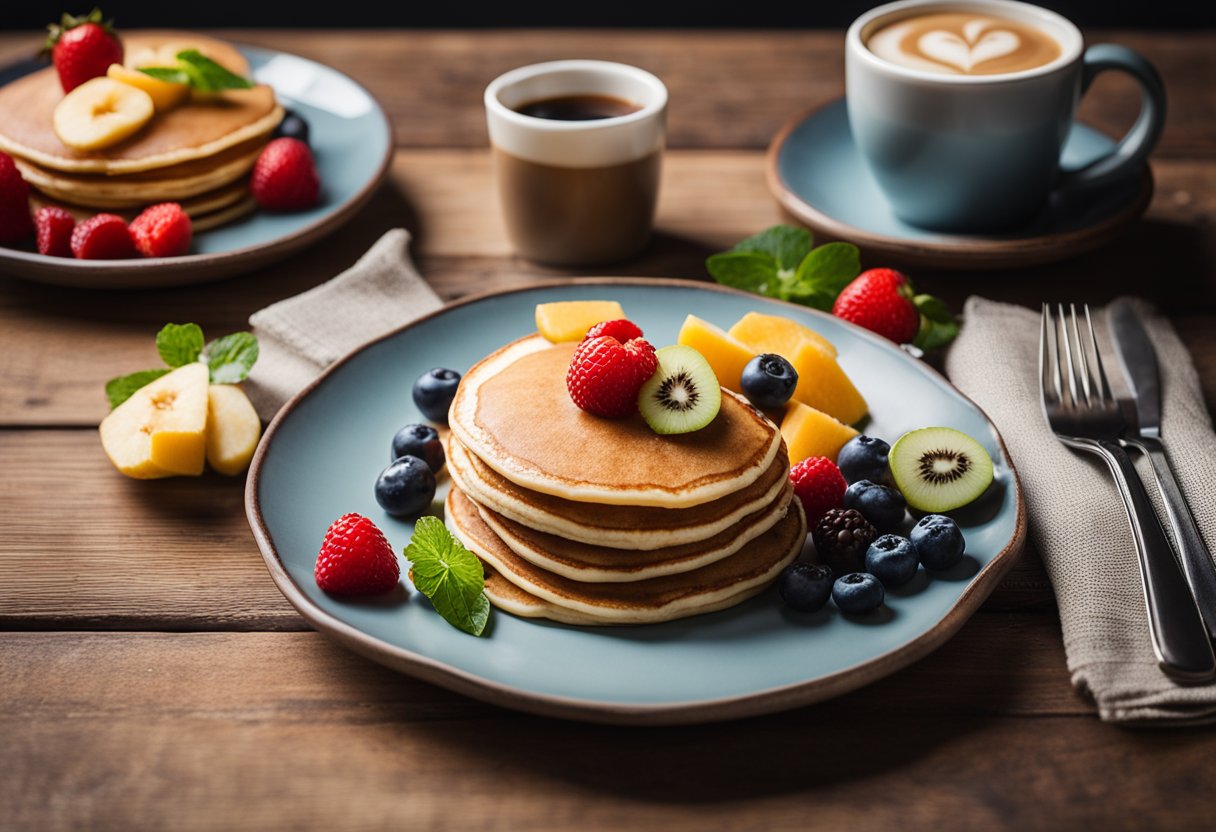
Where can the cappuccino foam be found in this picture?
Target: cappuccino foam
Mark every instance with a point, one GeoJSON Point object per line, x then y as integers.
{"type": "Point", "coordinates": [960, 43]}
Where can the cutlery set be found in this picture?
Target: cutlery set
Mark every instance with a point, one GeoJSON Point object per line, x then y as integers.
{"type": "Point", "coordinates": [1179, 576]}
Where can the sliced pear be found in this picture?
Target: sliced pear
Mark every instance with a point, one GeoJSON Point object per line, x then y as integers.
{"type": "Point", "coordinates": [101, 112]}
{"type": "Point", "coordinates": [161, 430]}
{"type": "Point", "coordinates": [233, 429]}
{"type": "Point", "coordinates": [165, 95]}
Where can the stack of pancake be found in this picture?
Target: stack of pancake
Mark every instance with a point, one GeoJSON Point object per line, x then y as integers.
{"type": "Point", "coordinates": [198, 154]}
{"type": "Point", "coordinates": [596, 521]}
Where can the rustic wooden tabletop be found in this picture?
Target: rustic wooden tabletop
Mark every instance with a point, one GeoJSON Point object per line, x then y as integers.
{"type": "Point", "coordinates": [152, 677]}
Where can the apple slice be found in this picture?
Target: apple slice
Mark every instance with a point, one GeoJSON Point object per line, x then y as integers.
{"type": "Point", "coordinates": [233, 429]}
{"type": "Point", "coordinates": [161, 430]}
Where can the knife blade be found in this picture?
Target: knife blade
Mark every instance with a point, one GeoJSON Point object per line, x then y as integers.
{"type": "Point", "coordinates": [1138, 359]}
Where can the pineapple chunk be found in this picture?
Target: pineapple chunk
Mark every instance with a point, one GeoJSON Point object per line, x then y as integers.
{"type": "Point", "coordinates": [809, 432]}
{"type": "Point", "coordinates": [569, 320]}
{"type": "Point", "coordinates": [726, 355]}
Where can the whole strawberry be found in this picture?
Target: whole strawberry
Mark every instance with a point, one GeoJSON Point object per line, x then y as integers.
{"type": "Point", "coordinates": [15, 222]}
{"type": "Point", "coordinates": [819, 486]}
{"type": "Point", "coordinates": [881, 301]}
{"type": "Point", "coordinates": [82, 48]}
{"type": "Point", "coordinates": [355, 559]}
{"type": "Point", "coordinates": [103, 237]}
{"type": "Point", "coordinates": [54, 227]}
{"type": "Point", "coordinates": [621, 329]}
{"type": "Point", "coordinates": [605, 375]}
{"type": "Point", "coordinates": [285, 176]}
{"type": "Point", "coordinates": [162, 230]}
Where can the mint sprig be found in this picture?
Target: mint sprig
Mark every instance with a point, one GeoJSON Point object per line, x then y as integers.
{"type": "Point", "coordinates": [228, 359]}
{"type": "Point", "coordinates": [197, 71]}
{"type": "Point", "coordinates": [449, 575]}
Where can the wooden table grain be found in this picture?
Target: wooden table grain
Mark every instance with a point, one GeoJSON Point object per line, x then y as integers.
{"type": "Point", "coordinates": [151, 677]}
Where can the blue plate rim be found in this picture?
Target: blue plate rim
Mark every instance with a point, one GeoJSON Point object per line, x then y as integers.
{"type": "Point", "coordinates": [755, 703]}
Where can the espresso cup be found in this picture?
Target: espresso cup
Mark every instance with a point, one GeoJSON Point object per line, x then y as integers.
{"type": "Point", "coordinates": [962, 117]}
{"type": "Point", "coordinates": [577, 189]}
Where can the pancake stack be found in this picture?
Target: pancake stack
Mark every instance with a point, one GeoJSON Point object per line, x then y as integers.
{"type": "Point", "coordinates": [198, 154]}
{"type": "Point", "coordinates": [586, 520]}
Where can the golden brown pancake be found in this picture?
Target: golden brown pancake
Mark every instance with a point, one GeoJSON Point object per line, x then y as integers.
{"type": "Point", "coordinates": [618, 526]}
{"type": "Point", "coordinates": [195, 207]}
{"type": "Point", "coordinates": [512, 411]}
{"type": "Point", "coordinates": [725, 582]}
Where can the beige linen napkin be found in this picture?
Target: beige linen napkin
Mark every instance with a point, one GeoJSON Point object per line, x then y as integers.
{"type": "Point", "coordinates": [302, 335]}
{"type": "Point", "coordinates": [1076, 517]}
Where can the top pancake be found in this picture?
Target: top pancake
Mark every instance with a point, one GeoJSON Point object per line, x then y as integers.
{"type": "Point", "coordinates": [191, 131]}
{"type": "Point", "coordinates": [513, 411]}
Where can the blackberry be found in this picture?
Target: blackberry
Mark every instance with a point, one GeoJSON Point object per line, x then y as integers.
{"type": "Point", "coordinates": [842, 537]}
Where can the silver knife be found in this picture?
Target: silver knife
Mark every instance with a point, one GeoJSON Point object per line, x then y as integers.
{"type": "Point", "coordinates": [1139, 361]}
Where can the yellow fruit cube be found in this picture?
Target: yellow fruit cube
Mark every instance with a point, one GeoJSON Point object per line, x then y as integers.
{"type": "Point", "coordinates": [823, 385]}
{"type": "Point", "coordinates": [726, 355]}
{"type": "Point", "coordinates": [233, 429]}
{"type": "Point", "coordinates": [809, 432]}
{"type": "Point", "coordinates": [161, 429]}
{"type": "Point", "coordinates": [569, 320]}
{"type": "Point", "coordinates": [165, 95]}
{"type": "Point", "coordinates": [776, 334]}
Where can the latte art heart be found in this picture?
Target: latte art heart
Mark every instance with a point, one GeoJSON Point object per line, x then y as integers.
{"type": "Point", "coordinates": [949, 48]}
{"type": "Point", "coordinates": [963, 43]}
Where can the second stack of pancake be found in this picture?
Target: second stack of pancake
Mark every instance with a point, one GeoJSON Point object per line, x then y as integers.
{"type": "Point", "coordinates": [594, 521]}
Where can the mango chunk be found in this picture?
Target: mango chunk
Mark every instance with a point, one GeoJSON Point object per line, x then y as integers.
{"type": "Point", "coordinates": [569, 320]}
{"type": "Point", "coordinates": [823, 385]}
{"type": "Point", "coordinates": [777, 334]}
{"type": "Point", "coordinates": [726, 355]}
{"type": "Point", "coordinates": [809, 432]}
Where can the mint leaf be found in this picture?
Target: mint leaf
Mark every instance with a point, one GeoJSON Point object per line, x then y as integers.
{"type": "Point", "coordinates": [830, 267]}
{"type": "Point", "coordinates": [786, 244]}
{"type": "Point", "coordinates": [169, 74]}
{"type": "Point", "coordinates": [179, 344]}
{"type": "Point", "coordinates": [449, 575]}
{"type": "Point", "coordinates": [231, 358]}
{"type": "Point", "coordinates": [208, 76]}
{"type": "Point", "coordinates": [118, 390]}
{"type": "Point", "coordinates": [938, 326]}
{"type": "Point", "coordinates": [749, 271]}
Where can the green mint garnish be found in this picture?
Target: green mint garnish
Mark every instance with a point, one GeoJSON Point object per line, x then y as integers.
{"type": "Point", "coordinates": [228, 359]}
{"type": "Point", "coordinates": [196, 70]}
{"type": "Point", "coordinates": [938, 326]}
{"type": "Point", "coordinates": [449, 575]}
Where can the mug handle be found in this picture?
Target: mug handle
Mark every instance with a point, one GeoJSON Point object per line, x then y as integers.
{"type": "Point", "coordinates": [1140, 140]}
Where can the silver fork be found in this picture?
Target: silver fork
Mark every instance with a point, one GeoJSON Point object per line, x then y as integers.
{"type": "Point", "coordinates": [1084, 415]}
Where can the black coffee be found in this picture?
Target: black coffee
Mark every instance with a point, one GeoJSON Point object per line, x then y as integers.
{"type": "Point", "coordinates": [578, 107]}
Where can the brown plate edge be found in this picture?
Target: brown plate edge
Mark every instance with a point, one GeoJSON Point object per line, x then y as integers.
{"type": "Point", "coordinates": [984, 254]}
{"type": "Point", "coordinates": [680, 713]}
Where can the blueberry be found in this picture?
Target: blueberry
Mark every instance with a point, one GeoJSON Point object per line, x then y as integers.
{"type": "Point", "coordinates": [938, 541]}
{"type": "Point", "coordinates": [406, 487]}
{"type": "Point", "coordinates": [421, 441]}
{"type": "Point", "coordinates": [857, 593]}
{"type": "Point", "coordinates": [434, 391]}
{"type": "Point", "coordinates": [805, 587]}
{"type": "Point", "coordinates": [882, 506]}
{"type": "Point", "coordinates": [768, 381]}
{"type": "Point", "coordinates": [293, 126]}
{"type": "Point", "coordinates": [892, 560]}
{"type": "Point", "coordinates": [864, 458]}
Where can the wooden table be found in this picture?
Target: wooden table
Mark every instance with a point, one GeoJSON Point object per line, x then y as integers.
{"type": "Point", "coordinates": [151, 677]}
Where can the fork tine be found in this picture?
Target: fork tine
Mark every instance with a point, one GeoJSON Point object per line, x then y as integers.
{"type": "Point", "coordinates": [1068, 365]}
{"type": "Point", "coordinates": [1081, 357]}
{"type": "Point", "coordinates": [1049, 362]}
{"type": "Point", "coordinates": [1101, 383]}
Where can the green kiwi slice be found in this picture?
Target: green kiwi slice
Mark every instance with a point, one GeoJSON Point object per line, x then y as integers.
{"type": "Point", "coordinates": [939, 469]}
{"type": "Point", "coordinates": [683, 394]}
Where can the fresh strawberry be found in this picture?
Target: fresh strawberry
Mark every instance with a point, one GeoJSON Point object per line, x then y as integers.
{"type": "Point", "coordinates": [103, 237]}
{"type": "Point", "coordinates": [621, 329]}
{"type": "Point", "coordinates": [355, 559]}
{"type": "Point", "coordinates": [285, 176]}
{"type": "Point", "coordinates": [605, 375]}
{"type": "Point", "coordinates": [819, 486]}
{"type": "Point", "coordinates": [162, 230]}
{"type": "Point", "coordinates": [82, 48]}
{"type": "Point", "coordinates": [54, 227]}
{"type": "Point", "coordinates": [881, 301]}
{"type": "Point", "coordinates": [15, 222]}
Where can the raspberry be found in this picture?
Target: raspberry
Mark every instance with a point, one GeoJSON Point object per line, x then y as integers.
{"type": "Point", "coordinates": [881, 301]}
{"type": "Point", "coordinates": [355, 559]}
{"type": "Point", "coordinates": [841, 538]}
{"type": "Point", "coordinates": [819, 486]}
{"type": "Point", "coordinates": [103, 237]}
{"type": "Point", "coordinates": [54, 227]}
{"type": "Point", "coordinates": [15, 222]}
{"type": "Point", "coordinates": [621, 329]}
{"type": "Point", "coordinates": [285, 176]}
{"type": "Point", "coordinates": [605, 375]}
{"type": "Point", "coordinates": [162, 230]}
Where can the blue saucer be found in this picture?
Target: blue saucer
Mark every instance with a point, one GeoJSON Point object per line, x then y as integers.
{"type": "Point", "coordinates": [817, 174]}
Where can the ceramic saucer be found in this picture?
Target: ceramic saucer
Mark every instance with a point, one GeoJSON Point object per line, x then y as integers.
{"type": "Point", "coordinates": [817, 174]}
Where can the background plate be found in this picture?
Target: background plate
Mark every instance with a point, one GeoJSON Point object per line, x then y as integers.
{"type": "Point", "coordinates": [320, 457]}
{"type": "Point", "coordinates": [353, 145]}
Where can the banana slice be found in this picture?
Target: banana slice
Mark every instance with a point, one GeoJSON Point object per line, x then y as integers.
{"type": "Point", "coordinates": [100, 113]}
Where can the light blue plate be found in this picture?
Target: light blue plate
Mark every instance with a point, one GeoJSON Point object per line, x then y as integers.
{"type": "Point", "coordinates": [818, 175]}
{"type": "Point", "coordinates": [320, 458]}
{"type": "Point", "coordinates": [352, 142]}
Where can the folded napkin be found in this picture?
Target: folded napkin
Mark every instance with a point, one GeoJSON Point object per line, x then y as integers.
{"type": "Point", "coordinates": [300, 336]}
{"type": "Point", "coordinates": [1077, 520]}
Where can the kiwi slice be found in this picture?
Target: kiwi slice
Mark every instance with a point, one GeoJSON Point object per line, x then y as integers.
{"type": "Point", "coordinates": [939, 469]}
{"type": "Point", "coordinates": [683, 394]}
